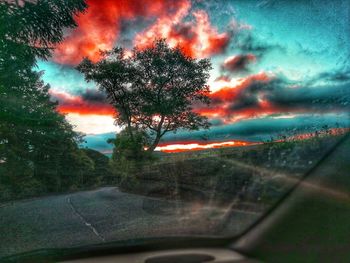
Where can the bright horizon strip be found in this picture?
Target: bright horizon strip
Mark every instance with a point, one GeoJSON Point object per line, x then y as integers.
{"type": "Point", "coordinates": [196, 146]}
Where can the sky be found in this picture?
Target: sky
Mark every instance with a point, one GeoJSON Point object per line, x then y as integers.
{"type": "Point", "coordinates": [279, 67]}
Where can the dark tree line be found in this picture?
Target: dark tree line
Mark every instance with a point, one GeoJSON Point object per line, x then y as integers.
{"type": "Point", "coordinates": [38, 148]}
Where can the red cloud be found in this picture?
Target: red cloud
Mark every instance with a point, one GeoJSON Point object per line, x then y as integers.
{"type": "Point", "coordinates": [225, 99]}
{"type": "Point", "coordinates": [197, 38]}
{"type": "Point", "coordinates": [99, 27]}
{"type": "Point", "coordinates": [75, 104]}
{"type": "Point", "coordinates": [229, 116]}
{"type": "Point", "coordinates": [229, 92]}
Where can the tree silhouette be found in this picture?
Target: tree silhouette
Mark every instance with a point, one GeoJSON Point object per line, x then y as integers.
{"type": "Point", "coordinates": [152, 90]}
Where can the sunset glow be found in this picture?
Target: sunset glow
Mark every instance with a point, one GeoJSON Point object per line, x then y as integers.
{"type": "Point", "coordinates": [197, 146]}
{"type": "Point", "coordinates": [92, 124]}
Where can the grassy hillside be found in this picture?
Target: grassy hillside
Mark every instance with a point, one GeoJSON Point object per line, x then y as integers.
{"type": "Point", "coordinates": [252, 174]}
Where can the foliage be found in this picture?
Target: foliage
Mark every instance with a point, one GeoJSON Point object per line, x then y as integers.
{"type": "Point", "coordinates": [126, 148]}
{"type": "Point", "coordinates": [129, 154]}
{"type": "Point", "coordinates": [102, 170]}
{"type": "Point", "coordinates": [31, 30]}
{"type": "Point", "coordinates": [153, 90]}
{"type": "Point", "coordinates": [38, 148]}
{"type": "Point", "coordinates": [258, 175]}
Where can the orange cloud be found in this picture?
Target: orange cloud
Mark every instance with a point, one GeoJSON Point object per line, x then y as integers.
{"type": "Point", "coordinates": [99, 27]}
{"type": "Point", "coordinates": [197, 38]}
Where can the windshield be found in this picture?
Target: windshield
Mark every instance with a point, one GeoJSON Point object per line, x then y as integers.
{"type": "Point", "coordinates": [126, 120]}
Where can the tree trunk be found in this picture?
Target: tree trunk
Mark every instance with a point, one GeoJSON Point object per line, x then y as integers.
{"type": "Point", "coordinates": [154, 144]}
{"type": "Point", "coordinates": [129, 128]}
{"type": "Point", "coordinates": [158, 136]}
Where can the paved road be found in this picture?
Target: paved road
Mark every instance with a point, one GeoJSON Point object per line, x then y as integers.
{"type": "Point", "coordinates": [103, 215]}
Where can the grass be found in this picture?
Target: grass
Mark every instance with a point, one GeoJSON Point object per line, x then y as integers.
{"type": "Point", "coordinates": [251, 175]}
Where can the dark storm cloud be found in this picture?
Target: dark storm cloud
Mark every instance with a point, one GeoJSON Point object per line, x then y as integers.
{"type": "Point", "coordinates": [238, 63]}
{"type": "Point", "coordinates": [94, 96]}
{"type": "Point", "coordinates": [264, 128]}
{"type": "Point", "coordinates": [329, 91]}
{"type": "Point", "coordinates": [247, 43]}
{"type": "Point", "coordinates": [336, 76]}
{"type": "Point", "coordinates": [317, 99]}
{"type": "Point", "coordinates": [136, 24]}
{"type": "Point", "coordinates": [248, 94]}
{"type": "Point", "coordinates": [250, 51]}
{"type": "Point", "coordinates": [185, 30]}
{"type": "Point", "coordinates": [249, 97]}
{"type": "Point", "coordinates": [129, 28]}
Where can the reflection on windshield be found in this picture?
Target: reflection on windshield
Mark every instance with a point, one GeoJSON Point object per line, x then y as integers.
{"type": "Point", "coordinates": [125, 120]}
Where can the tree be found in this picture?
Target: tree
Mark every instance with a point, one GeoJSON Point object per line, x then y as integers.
{"type": "Point", "coordinates": [114, 75]}
{"type": "Point", "coordinates": [128, 148]}
{"type": "Point", "coordinates": [154, 89]}
{"type": "Point", "coordinates": [35, 139]}
{"type": "Point", "coordinates": [102, 172]}
{"type": "Point", "coordinates": [31, 31]}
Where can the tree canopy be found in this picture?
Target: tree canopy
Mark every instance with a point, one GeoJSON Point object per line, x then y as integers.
{"type": "Point", "coordinates": [152, 89]}
{"type": "Point", "coordinates": [38, 148]}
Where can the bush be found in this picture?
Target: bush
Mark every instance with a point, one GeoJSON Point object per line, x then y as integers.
{"type": "Point", "coordinates": [129, 153]}
{"type": "Point", "coordinates": [130, 148]}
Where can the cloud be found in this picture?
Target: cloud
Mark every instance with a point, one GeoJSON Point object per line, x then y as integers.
{"type": "Point", "coordinates": [327, 92]}
{"type": "Point", "coordinates": [334, 76]}
{"type": "Point", "coordinates": [99, 27]}
{"type": "Point", "coordinates": [94, 96]}
{"type": "Point", "coordinates": [239, 99]}
{"type": "Point", "coordinates": [198, 38]}
{"type": "Point", "coordinates": [88, 103]}
{"type": "Point", "coordinates": [236, 90]}
{"type": "Point", "coordinates": [238, 63]}
{"type": "Point", "coordinates": [223, 78]}
{"type": "Point", "coordinates": [246, 42]}
{"type": "Point", "coordinates": [263, 128]}
{"type": "Point", "coordinates": [263, 94]}
{"type": "Point", "coordinates": [248, 48]}
{"type": "Point", "coordinates": [316, 99]}
{"type": "Point", "coordinates": [92, 123]}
